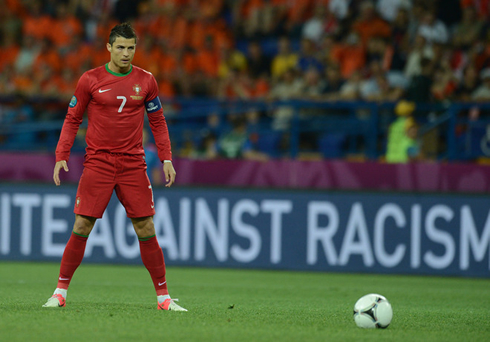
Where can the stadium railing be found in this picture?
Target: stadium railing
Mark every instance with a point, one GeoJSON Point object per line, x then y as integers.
{"type": "Point", "coordinates": [461, 131]}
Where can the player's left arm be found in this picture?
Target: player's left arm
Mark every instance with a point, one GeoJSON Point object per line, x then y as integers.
{"type": "Point", "coordinates": [159, 128]}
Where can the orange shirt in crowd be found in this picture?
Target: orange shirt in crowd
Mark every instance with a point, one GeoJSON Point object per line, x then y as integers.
{"type": "Point", "coordinates": [148, 60]}
{"type": "Point", "coordinates": [368, 29]}
{"type": "Point", "coordinates": [166, 89]}
{"type": "Point", "coordinates": [16, 7]}
{"type": "Point", "coordinates": [49, 58]}
{"type": "Point", "coordinates": [38, 27]}
{"type": "Point", "coordinates": [83, 55]}
{"type": "Point", "coordinates": [63, 30]}
{"type": "Point", "coordinates": [178, 33]}
{"type": "Point", "coordinates": [175, 3]}
{"type": "Point", "coordinates": [189, 63]}
{"type": "Point", "coordinates": [8, 55]}
{"type": "Point", "coordinates": [168, 65]}
{"type": "Point", "coordinates": [261, 88]}
{"type": "Point", "coordinates": [104, 28]}
{"type": "Point", "coordinates": [207, 62]}
{"type": "Point", "coordinates": [100, 56]}
{"type": "Point", "coordinates": [23, 82]}
{"type": "Point", "coordinates": [298, 10]}
{"type": "Point", "coordinates": [349, 57]}
{"type": "Point", "coordinates": [210, 8]}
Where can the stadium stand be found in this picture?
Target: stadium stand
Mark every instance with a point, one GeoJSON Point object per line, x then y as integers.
{"type": "Point", "coordinates": [322, 77]}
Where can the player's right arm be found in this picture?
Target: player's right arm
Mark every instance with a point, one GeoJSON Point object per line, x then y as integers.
{"type": "Point", "coordinates": [73, 119]}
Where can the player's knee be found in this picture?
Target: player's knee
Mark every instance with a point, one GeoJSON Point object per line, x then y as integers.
{"type": "Point", "coordinates": [83, 224]}
{"type": "Point", "coordinates": [144, 226]}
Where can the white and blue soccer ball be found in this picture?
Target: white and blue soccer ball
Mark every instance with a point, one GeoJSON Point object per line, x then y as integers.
{"type": "Point", "coordinates": [373, 311]}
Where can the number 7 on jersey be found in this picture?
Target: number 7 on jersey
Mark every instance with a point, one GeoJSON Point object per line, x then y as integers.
{"type": "Point", "coordinates": [123, 98]}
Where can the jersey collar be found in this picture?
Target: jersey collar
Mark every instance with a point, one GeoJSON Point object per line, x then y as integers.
{"type": "Point", "coordinates": [116, 73]}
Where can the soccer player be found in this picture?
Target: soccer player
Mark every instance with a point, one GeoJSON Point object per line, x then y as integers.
{"type": "Point", "coordinates": [115, 96]}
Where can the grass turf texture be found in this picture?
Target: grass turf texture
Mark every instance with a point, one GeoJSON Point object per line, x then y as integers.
{"type": "Point", "coordinates": [117, 303]}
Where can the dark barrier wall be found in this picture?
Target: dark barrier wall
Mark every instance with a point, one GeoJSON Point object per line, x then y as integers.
{"type": "Point", "coordinates": [292, 174]}
{"type": "Point", "coordinates": [351, 232]}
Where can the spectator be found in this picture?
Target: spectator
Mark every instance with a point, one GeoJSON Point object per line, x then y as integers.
{"type": "Point", "coordinates": [230, 59]}
{"type": "Point", "coordinates": [235, 143]}
{"type": "Point", "coordinates": [236, 85]}
{"type": "Point", "coordinates": [416, 17]}
{"type": "Point", "coordinates": [468, 85]}
{"type": "Point", "coordinates": [308, 57]}
{"type": "Point", "coordinates": [37, 24]}
{"type": "Point", "coordinates": [323, 22]}
{"type": "Point", "coordinates": [351, 89]}
{"type": "Point", "coordinates": [64, 27]}
{"type": "Point", "coordinates": [482, 93]}
{"type": "Point", "coordinates": [208, 59]}
{"type": "Point", "coordinates": [444, 83]}
{"type": "Point", "coordinates": [28, 54]}
{"type": "Point", "coordinates": [285, 58]}
{"type": "Point", "coordinates": [420, 85]}
{"type": "Point", "coordinates": [333, 82]}
{"type": "Point", "coordinates": [482, 7]}
{"type": "Point", "coordinates": [432, 29]}
{"type": "Point", "coordinates": [313, 85]}
{"type": "Point", "coordinates": [369, 24]}
{"type": "Point", "coordinates": [379, 51]}
{"type": "Point", "coordinates": [389, 9]}
{"type": "Point", "coordinates": [257, 63]}
{"type": "Point", "coordinates": [400, 39]}
{"type": "Point", "coordinates": [419, 51]}
{"type": "Point", "coordinates": [10, 51]}
{"type": "Point", "coordinates": [254, 18]}
{"type": "Point", "coordinates": [340, 8]}
{"type": "Point", "coordinates": [208, 147]}
{"type": "Point", "coordinates": [468, 30]}
{"type": "Point", "coordinates": [379, 88]}
{"type": "Point", "coordinates": [20, 111]}
{"type": "Point", "coordinates": [350, 55]}
{"type": "Point", "coordinates": [287, 88]}
{"type": "Point", "coordinates": [402, 144]}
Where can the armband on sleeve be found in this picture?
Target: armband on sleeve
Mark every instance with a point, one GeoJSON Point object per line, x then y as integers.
{"type": "Point", "coordinates": [153, 105]}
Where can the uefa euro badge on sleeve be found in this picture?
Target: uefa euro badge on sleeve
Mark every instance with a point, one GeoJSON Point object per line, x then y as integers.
{"type": "Point", "coordinates": [73, 101]}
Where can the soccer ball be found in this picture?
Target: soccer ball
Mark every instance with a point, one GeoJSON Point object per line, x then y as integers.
{"type": "Point", "coordinates": [373, 311]}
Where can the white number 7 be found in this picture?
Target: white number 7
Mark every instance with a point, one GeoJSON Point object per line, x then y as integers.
{"type": "Point", "coordinates": [123, 98]}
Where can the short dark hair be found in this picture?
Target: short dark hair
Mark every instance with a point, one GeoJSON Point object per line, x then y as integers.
{"type": "Point", "coordinates": [124, 30]}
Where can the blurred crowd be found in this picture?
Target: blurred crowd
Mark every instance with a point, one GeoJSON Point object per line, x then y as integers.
{"type": "Point", "coordinates": [423, 50]}
{"type": "Point", "coordinates": [323, 50]}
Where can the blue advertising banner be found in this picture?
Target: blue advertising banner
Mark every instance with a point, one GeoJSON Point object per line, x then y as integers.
{"type": "Point", "coordinates": [341, 232]}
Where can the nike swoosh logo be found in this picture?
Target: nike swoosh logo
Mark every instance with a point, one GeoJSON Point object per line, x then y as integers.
{"type": "Point", "coordinates": [103, 91]}
{"type": "Point", "coordinates": [63, 278]}
{"type": "Point", "coordinates": [152, 206]}
{"type": "Point", "coordinates": [160, 284]}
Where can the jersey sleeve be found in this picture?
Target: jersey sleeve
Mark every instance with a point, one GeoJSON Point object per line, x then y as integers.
{"type": "Point", "coordinates": [158, 124]}
{"type": "Point", "coordinates": [74, 118]}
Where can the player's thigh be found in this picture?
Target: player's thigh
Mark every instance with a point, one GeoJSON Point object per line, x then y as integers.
{"type": "Point", "coordinates": [94, 190]}
{"type": "Point", "coordinates": [134, 190]}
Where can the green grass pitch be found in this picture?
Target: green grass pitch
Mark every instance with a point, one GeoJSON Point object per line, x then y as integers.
{"type": "Point", "coordinates": [117, 303]}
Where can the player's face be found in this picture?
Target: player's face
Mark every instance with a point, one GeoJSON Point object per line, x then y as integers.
{"type": "Point", "coordinates": [122, 53]}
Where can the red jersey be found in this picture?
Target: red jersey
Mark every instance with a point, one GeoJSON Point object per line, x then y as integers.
{"type": "Point", "coordinates": [115, 105]}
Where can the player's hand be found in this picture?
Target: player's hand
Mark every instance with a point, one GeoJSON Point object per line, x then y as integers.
{"type": "Point", "coordinates": [57, 168]}
{"type": "Point", "coordinates": [169, 172]}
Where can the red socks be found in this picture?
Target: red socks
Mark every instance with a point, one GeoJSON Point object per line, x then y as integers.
{"type": "Point", "coordinates": [152, 257]}
{"type": "Point", "coordinates": [151, 254]}
{"type": "Point", "coordinates": [72, 258]}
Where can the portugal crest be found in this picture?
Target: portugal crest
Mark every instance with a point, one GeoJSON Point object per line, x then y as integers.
{"type": "Point", "coordinates": [137, 89]}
